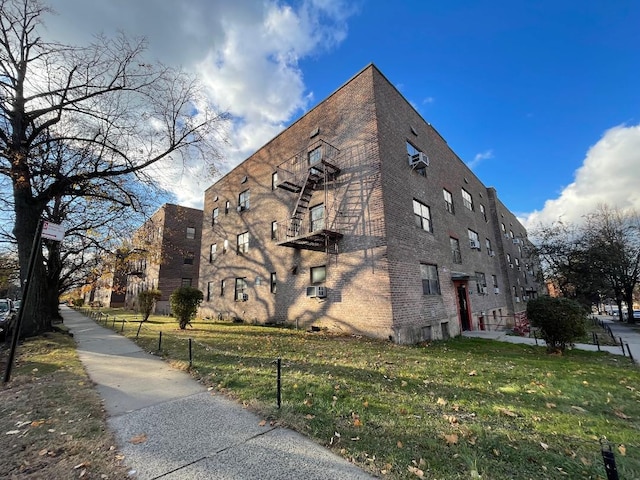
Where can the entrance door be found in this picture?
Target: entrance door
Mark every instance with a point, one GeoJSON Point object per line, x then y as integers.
{"type": "Point", "coordinates": [463, 305]}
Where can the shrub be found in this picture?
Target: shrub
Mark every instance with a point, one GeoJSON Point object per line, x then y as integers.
{"type": "Point", "coordinates": [560, 320]}
{"type": "Point", "coordinates": [147, 301]}
{"type": "Point", "coordinates": [184, 304]}
{"type": "Point", "coordinates": [78, 302]}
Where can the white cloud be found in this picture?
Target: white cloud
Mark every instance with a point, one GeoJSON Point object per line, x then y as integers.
{"type": "Point", "coordinates": [479, 157]}
{"type": "Point", "coordinates": [610, 174]}
{"type": "Point", "coordinates": [246, 52]}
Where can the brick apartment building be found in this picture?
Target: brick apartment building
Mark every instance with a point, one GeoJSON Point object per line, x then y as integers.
{"type": "Point", "coordinates": [165, 254]}
{"type": "Point", "coordinates": [359, 218]}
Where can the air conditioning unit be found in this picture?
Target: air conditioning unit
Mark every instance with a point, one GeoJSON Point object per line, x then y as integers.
{"type": "Point", "coordinates": [492, 253]}
{"type": "Point", "coordinates": [517, 299]}
{"type": "Point", "coordinates": [314, 291]}
{"type": "Point", "coordinates": [240, 208]}
{"type": "Point", "coordinates": [496, 290]}
{"type": "Point", "coordinates": [419, 160]}
{"type": "Point", "coordinates": [511, 265]}
{"type": "Point", "coordinates": [484, 290]}
{"type": "Point", "coordinates": [517, 241]}
{"type": "Point", "coordinates": [474, 243]}
{"type": "Point", "coordinates": [245, 297]}
{"type": "Point", "coordinates": [525, 298]}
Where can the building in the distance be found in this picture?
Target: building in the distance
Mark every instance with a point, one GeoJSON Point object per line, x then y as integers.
{"type": "Point", "coordinates": [360, 218]}
{"type": "Point", "coordinates": [164, 254]}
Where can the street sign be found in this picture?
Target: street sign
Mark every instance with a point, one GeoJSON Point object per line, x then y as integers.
{"type": "Point", "coordinates": [52, 231]}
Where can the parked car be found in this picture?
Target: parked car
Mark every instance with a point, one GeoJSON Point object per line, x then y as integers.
{"type": "Point", "coordinates": [6, 315]}
{"type": "Point", "coordinates": [636, 314]}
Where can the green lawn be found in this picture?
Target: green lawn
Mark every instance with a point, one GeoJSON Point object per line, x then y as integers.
{"type": "Point", "coordinates": [444, 410]}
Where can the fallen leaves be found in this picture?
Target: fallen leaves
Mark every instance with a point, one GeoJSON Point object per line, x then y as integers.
{"type": "Point", "coordinates": [622, 449]}
{"type": "Point", "coordinates": [621, 415]}
{"type": "Point", "coordinates": [138, 439]}
{"type": "Point", "coordinates": [451, 439]}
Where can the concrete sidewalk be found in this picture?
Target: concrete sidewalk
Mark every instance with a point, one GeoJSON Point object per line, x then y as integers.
{"type": "Point", "coordinates": [630, 339]}
{"type": "Point", "coordinates": [169, 426]}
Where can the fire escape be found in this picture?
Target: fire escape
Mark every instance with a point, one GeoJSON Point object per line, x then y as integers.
{"type": "Point", "coordinates": [307, 172]}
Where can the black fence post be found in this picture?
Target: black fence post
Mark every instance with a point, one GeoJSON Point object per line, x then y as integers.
{"type": "Point", "coordinates": [279, 382]}
{"type": "Point", "coordinates": [629, 350]}
{"type": "Point", "coordinates": [535, 335]}
{"type": "Point", "coordinates": [122, 327]}
{"type": "Point", "coordinates": [190, 354]}
{"type": "Point", "coordinates": [160, 341]}
{"type": "Point", "coordinates": [609, 460]}
{"type": "Point", "coordinates": [622, 346]}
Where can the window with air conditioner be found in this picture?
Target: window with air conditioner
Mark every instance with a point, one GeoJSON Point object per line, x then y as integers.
{"type": "Point", "coordinates": [474, 239]}
{"type": "Point", "coordinates": [241, 289]}
{"type": "Point", "coordinates": [418, 161]}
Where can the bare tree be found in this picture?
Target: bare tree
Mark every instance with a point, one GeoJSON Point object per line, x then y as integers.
{"type": "Point", "coordinates": [119, 115]}
{"type": "Point", "coordinates": [613, 237]}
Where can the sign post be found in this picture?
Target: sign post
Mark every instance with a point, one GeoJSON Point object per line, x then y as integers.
{"type": "Point", "coordinates": [51, 231]}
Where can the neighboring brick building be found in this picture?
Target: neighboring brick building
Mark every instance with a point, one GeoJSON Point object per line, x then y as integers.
{"type": "Point", "coordinates": [165, 254]}
{"type": "Point", "coordinates": [361, 219]}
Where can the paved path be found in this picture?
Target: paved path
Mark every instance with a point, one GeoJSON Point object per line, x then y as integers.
{"type": "Point", "coordinates": [169, 426]}
{"type": "Point", "coordinates": [630, 338]}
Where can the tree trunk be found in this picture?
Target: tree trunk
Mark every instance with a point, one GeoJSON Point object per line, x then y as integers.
{"type": "Point", "coordinates": [628, 299]}
{"type": "Point", "coordinates": [36, 318]}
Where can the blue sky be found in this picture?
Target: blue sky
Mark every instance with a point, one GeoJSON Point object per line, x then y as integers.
{"type": "Point", "coordinates": [541, 99]}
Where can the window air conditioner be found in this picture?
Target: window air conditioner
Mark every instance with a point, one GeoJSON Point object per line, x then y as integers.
{"type": "Point", "coordinates": [474, 243]}
{"type": "Point", "coordinates": [240, 208]}
{"type": "Point", "coordinates": [492, 253]}
{"type": "Point", "coordinates": [484, 290]}
{"type": "Point", "coordinates": [517, 299]}
{"type": "Point", "coordinates": [419, 160]}
{"type": "Point", "coordinates": [496, 290]}
{"type": "Point", "coordinates": [516, 241]}
{"type": "Point", "coordinates": [314, 291]}
{"type": "Point", "coordinates": [245, 297]}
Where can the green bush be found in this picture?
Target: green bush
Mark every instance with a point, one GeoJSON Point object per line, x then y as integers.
{"type": "Point", "coordinates": [147, 301]}
{"type": "Point", "coordinates": [560, 320]}
{"type": "Point", "coordinates": [78, 302]}
{"type": "Point", "coordinates": [184, 304]}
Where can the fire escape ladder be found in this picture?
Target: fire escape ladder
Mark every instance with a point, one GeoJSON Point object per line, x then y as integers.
{"type": "Point", "coordinates": [302, 204]}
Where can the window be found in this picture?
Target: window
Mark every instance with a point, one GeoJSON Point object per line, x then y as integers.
{"type": "Point", "coordinates": [422, 215]}
{"type": "Point", "coordinates": [448, 200]}
{"type": "Point", "coordinates": [318, 274]}
{"type": "Point", "coordinates": [315, 156]}
{"type": "Point", "coordinates": [243, 201]}
{"type": "Point", "coordinates": [489, 249]}
{"type": "Point", "coordinates": [274, 180]}
{"type": "Point", "coordinates": [223, 285]}
{"type": "Point", "coordinates": [511, 233]}
{"type": "Point", "coordinates": [517, 262]}
{"type": "Point", "coordinates": [213, 251]}
{"type": "Point", "coordinates": [467, 199]}
{"type": "Point", "coordinates": [227, 206]}
{"type": "Point", "coordinates": [243, 243]}
{"type": "Point", "coordinates": [509, 260]}
{"type": "Point", "coordinates": [274, 230]}
{"type": "Point", "coordinates": [504, 229]}
{"type": "Point", "coordinates": [481, 283]}
{"type": "Point", "coordinates": [241, 287]}
{"type": "Point", "coordinates": [474, 240]}
{"type": "Point", "coordinates": [214, 216]}
{"type": "Point", "coordinates": [186, 282]}
{"type": "Point", "coordinates": [225, 246]}
{"type": "Point", "coordinates": [430, 283]}
{"type": "Point", "coordinates": [191, 233]}
{"type": "Point", "coordinates": [209, 291]}
{"type": "Point", "coordinates": [494, 280]}
{"type": "Point", "coordinates": [273, 283]}
{"type": "Point", "coordinates": [412, 152]}
{"type": "Point", "coordinates": [455, 250]}
{"type": "Point", "coordinates": [188, 258]}
{"type": "Point", "coordinates": [317, 217]}
{"type": "Point", "coordinates": [483, 212]}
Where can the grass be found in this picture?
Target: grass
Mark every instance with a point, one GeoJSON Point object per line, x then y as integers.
{"type": "Point", "coordinates": [447, 410]}
{"type": "Point", "coordinates": [51, 421]}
